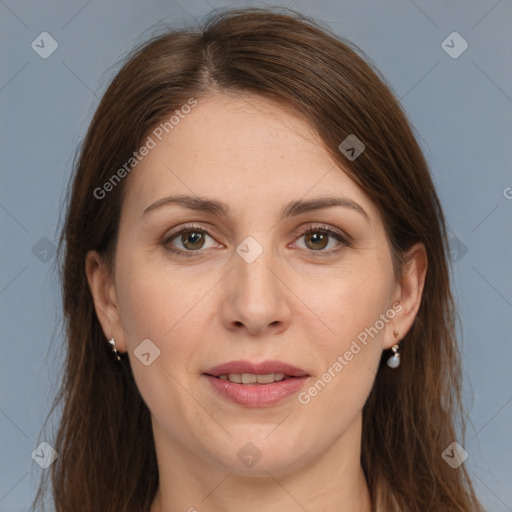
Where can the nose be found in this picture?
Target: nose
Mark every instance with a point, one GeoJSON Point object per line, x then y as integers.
{"type": "Point", "coordinates": [257, 299]}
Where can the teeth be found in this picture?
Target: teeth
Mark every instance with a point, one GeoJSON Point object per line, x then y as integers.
{"type": "Point", "coordinates": [250, 378]}
{"type": "Point", "coordinates": [269, 377]}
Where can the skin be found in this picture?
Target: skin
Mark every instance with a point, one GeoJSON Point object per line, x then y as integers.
{"type": "Point", "coordinates": [289, 304]}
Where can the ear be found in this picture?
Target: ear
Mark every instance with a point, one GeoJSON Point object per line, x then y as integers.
{"type": "Point", "coordinates": [101, 284]}
{"type": "Point", "coordinates": [408, 293]}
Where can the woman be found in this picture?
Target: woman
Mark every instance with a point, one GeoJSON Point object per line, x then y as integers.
{"type": "Point", "coordinates": [256, 287]}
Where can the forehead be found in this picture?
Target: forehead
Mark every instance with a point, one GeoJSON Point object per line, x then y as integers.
{"type": "Point", "coordinates": [244, 148]}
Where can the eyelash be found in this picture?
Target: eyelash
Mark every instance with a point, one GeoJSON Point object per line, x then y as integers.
{"type": "Point", "coordinates": [322, 228]}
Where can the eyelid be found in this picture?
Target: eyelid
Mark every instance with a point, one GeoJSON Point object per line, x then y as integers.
{"type": "Point", "coordinates": [343, 238]}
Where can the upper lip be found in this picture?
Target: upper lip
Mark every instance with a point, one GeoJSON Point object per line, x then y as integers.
{"type": "Point", "coordinates": [263, 368]}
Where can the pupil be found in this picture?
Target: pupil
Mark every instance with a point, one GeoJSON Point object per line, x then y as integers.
{"type": "Point", "coordinates": [196, 237]}
{"type": "Point", "coordinates": [318, 238]}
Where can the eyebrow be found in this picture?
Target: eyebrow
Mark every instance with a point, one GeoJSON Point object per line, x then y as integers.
{"type": "Point", "coordinates": [291, 209]}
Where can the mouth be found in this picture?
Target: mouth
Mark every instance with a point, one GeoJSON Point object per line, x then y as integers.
{"type": "Point", "coordinates": [256, 385]}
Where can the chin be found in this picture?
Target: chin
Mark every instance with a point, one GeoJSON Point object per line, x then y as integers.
{"type": "Point", "coordinates": [258, 459]}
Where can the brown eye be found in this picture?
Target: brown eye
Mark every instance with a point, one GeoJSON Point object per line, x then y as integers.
{"type": "Point", "coordinates": [192, 239]}
{"type": "Point", "coordinates": [317, 239]}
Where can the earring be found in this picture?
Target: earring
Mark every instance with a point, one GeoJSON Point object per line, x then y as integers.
{"type": "Point", "coordinates": [394, 360]}
{"type": "Point", "coordinates": [114, 349]}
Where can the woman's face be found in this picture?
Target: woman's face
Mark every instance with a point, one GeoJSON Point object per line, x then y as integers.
{"type": "Point", "coordinates": [247, 282]}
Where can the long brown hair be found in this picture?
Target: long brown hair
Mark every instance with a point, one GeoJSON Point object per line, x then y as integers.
{"type": "Point", "coordinates": [107, 459]}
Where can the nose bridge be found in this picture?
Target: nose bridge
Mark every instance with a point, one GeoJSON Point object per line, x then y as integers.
{"type": "Point", "coordinates": [254, 259]}
{"type": "Point", "coordinates": [256, 299]}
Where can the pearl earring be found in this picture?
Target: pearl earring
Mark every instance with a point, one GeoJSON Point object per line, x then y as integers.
{"type": "Point", "coordinates": [112, 343]}
{"type": "Point", "coordinates": [394, 360]}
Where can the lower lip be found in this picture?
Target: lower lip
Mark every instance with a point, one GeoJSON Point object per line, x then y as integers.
{"type": "Point", "coordinates": [257, 395]}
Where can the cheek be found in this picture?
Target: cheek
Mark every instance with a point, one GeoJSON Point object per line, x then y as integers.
{"type": "Point", "coordinates": [144, 306]}
{"type": "Point", "coordinates": [154, 308]}
{"type": "Point", "coordinates": [352, 302]}
{"type": "Point", "coordinates": [351, 308]}
{"type": "Point", "coordinates": [172, 309]}
{"type": "Point", "coordinates": [156, 302]}
{"type": "Point", "coordinates": [349, 351]}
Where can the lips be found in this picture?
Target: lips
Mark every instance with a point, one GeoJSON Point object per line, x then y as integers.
{"type": "Point", "coordinates": [234, 381]}
{"type": "Point", "coordinates": [263, 368]}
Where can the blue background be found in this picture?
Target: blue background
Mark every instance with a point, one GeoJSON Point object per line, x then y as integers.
{"type": "Point", "coordinates": [461, 109]}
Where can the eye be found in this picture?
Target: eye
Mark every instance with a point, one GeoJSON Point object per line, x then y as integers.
{"type": "Point", "coordinates": [191, 238]}
{"type": "Point", "coordinates": [317, 238]}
